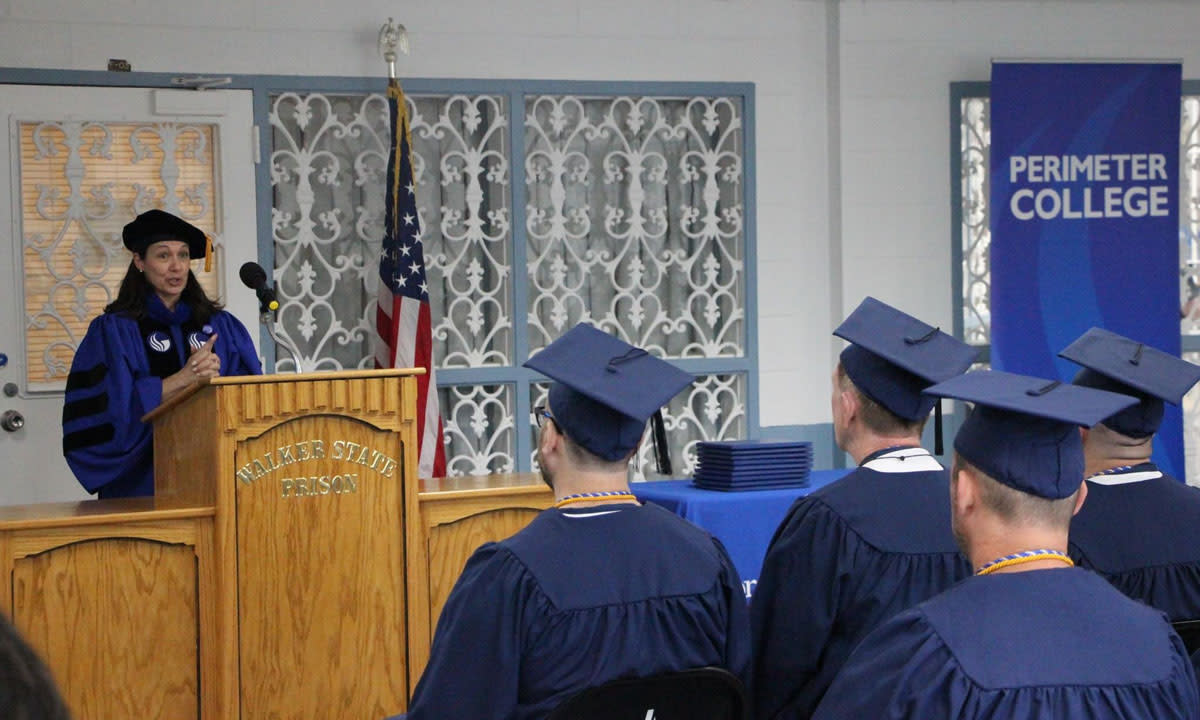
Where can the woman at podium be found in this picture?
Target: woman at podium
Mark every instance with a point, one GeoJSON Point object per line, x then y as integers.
{"type": "Point", "coordinates": [160, 336]}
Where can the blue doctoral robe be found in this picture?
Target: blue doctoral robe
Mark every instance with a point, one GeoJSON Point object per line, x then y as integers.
{"type": "Point", "coordinates": [1058, 644]}
{"type": "Point", "coordinates": [1140, 530]}
{"type": "Point", "coordinates": [845, 559]}
{"type": "Point", "coordinates": [116, 378]}
{"type": "Point", "coordinates": [578, 598]}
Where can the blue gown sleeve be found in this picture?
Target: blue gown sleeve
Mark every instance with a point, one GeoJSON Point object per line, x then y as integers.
{"type": "Point", "coordinates": [793, 610]}
{"type": "Point", "coordinates": [234, 346]}
{"type": "Point", "coordinates": [108, 390]}
{"type": "Point", "coordinates": [474, 664]}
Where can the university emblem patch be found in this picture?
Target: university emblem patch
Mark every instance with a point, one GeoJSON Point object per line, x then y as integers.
{"type": "Point", "coordinates": [196, 340]}
{"type": "Point", "coordinates": [159, 341]}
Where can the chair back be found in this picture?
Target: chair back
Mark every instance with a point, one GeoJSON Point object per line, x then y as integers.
{"type": "Point", "coordinates": [1189, 632]}
{"type": "Point", "coordinates": [700, 694]}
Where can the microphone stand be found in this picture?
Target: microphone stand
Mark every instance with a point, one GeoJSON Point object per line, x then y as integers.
{"type": "Point", "coordinates": [266, 317]}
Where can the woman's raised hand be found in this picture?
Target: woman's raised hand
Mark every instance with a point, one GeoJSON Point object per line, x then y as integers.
{"type": "Point", "coordinates": [204, 363]}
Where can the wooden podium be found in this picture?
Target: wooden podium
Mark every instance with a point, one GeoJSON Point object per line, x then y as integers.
{"type": "Point", "coordinates": [290, 565]}
{"type": "Point", "coordinates": [311, 478]}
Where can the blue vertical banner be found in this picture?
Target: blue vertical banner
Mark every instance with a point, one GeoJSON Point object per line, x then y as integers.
{"type": "Point", "coordinates": [1085, 215]}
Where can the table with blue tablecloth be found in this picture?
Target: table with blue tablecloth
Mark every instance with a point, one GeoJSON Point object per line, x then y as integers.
{"type": "Point", "coordinates": [743, 521]}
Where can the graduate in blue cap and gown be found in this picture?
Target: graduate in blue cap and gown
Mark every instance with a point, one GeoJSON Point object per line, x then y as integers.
{"type": "Point", "coordinates": [878, 540]}
{"type": "Point", "coordinates": [1140, 528]}
{"type": "Point", "coordinates": [1028, 636]}
{"type": "Point", "coordinates": [598, 587]}
{"type": "Point", "coordinates": [161, 335]}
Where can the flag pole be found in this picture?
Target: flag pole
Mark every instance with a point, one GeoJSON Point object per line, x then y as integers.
{"type": "Point", "coordinates": [403, 318]}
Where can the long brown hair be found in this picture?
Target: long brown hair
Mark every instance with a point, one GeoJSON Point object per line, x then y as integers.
{"type": "Point", "coordinates": [135, 290]}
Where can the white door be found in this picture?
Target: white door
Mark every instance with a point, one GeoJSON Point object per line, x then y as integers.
{"type": "Point", "coordinates": [76, 163]}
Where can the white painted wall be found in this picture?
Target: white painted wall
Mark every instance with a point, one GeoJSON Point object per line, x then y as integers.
{"type": "Point", "coordinates": [894, 62]}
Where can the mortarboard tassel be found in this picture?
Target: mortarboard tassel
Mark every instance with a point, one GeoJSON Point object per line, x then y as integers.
{"type": "Point", "coordinates": [658, 433]}
{"type": "Point", "coordinates": [208, 252]}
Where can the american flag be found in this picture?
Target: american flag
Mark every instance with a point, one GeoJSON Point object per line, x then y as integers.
{"type": "Point", "coordinates": [402, 317]}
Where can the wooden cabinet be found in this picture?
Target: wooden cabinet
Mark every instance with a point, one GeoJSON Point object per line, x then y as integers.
{"type": "Point", "coordinates": [115, 595]}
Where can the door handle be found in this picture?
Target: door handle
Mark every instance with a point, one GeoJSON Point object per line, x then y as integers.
{"type": "Point", "coordinates": [12, 421]}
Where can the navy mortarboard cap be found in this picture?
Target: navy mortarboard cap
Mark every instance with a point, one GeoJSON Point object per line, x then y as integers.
{"type": "Point", "coordinates": [157, 225]}
{"type": "Point", "coordinates": [1024, 432]}
{"type": "Point", "coordinates": [893, 357]}
{"type": "Point", "coordinates": [606, 389]}
{"type": "Point", "coordinates": [1118, 364]}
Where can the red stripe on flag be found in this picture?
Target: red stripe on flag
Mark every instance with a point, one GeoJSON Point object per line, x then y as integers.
{"type": "Point", "coordinates": [386, 330]}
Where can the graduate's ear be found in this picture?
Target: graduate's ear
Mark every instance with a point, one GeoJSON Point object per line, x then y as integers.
{"type": "Point", "coordinates": [965, 490]}
{"type": "Point", "coordinates": [850, 404]}
{"type": "Point", "coordinates": [139, 263]}
{"type": "Point", "coordinates": [549, 438]}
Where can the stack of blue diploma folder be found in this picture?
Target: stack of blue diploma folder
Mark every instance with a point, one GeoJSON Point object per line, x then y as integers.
{"type": "Point", "coordinates": [748, 465]}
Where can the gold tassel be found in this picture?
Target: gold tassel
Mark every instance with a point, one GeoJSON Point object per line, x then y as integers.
{"type": "Point", "coordinates": [208, 252]}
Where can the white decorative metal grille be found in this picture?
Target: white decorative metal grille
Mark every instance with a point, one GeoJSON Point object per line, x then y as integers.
{"type": "Point", "coordinates": [635, 221]}
{"type": "Point", "coordinates": [1191, 427]}
{"type": "Point", "coordinates": [974, 152]}
{"type": "Point", "coordinates": [713, 408]}
{"type": "Point", "coordinates": [81, 181]}
{"type": "Point", "coordinates": [479, 429]}
{"type": "Point", "coordinates": [327, 174]}
{"type": "Point", "coordinates": [1189, 217]}
{"type": "Point", "coordinates": [662, 265]}
{"type": "Point", "coordinates": [327, 171]}
{"type": "Point", "coordinates": [468, 223]}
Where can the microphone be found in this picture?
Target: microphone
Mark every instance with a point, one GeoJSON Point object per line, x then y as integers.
{"type": "Point", "coordinates": [254, 277]}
